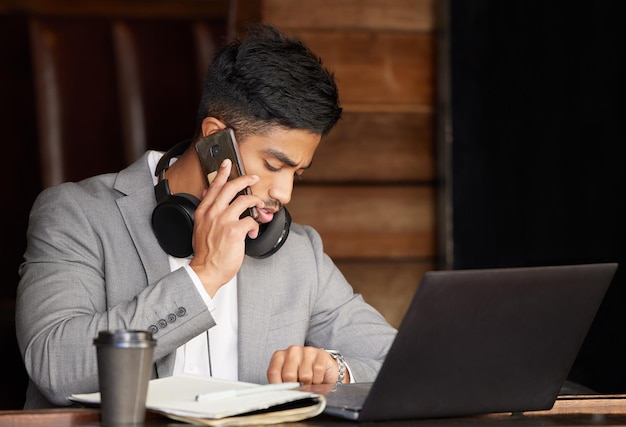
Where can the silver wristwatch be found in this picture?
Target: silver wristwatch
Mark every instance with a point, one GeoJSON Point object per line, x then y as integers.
{"type": "Point", "coordinates": [340, 363]}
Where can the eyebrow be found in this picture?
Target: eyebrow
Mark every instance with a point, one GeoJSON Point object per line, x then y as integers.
{"type": "Point", "coordinates": [279, 155]}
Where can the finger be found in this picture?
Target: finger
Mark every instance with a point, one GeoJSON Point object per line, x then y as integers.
{"type": "Point", "coordinates": [220, 176]}
{"type": "Point", "coordinates": [220, 179]}
{"type": "Point", "coordinates": [253, 227]}
{"type": "Point", "coordinates": [323, 368]}
{"type": "Point", "coordinates": [275, 368]}
{"type": "Point", "coordinates": [316, 366]}
{"type": "Point", "coordinates": [310, 369]}
{"type": "Point", "coordinates": [291, 364]}
{"type": "Point", "coordinates": [236, 188]}
{"type": "Point", "coordinates": [216, 181]}
{"type": "Point", "coordinates": [285, 364]}
{"type": "Point", "coordinates": [242, 203]}
{"type": "Point", "coordinates": [220, 196]}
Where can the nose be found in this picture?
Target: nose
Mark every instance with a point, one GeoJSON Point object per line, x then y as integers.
{"type": "Point", "coordinates": [282, 188]}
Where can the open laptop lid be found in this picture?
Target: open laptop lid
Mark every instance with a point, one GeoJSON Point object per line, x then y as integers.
{"type": "Point", "coordinates": [485, 341]}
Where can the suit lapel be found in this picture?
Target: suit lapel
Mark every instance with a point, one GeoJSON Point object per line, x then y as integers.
{"type": "Point", "coordinates": [136, 209]}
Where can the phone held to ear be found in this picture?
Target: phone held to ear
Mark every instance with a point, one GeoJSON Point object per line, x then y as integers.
{"type": "Point", "coordinates": [213, 149]}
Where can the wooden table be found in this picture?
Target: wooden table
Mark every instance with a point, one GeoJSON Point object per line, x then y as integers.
{"type": "Point", "coordinates": [575, 411]}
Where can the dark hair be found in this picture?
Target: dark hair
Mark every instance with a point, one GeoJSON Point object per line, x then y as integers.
{"type": "Point", "coordinates": [267, 79]}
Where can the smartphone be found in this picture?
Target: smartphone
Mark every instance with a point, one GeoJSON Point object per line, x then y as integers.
{"type": "Point", "coordinates": [213, 149]}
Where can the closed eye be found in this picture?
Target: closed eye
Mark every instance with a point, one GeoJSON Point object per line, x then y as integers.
{"type": "Point", "coordinates": [297, 174]}
{"type": "Point", "coordinates": [271, 168]}
{"type": "Point", "coordinates": [284, 160]}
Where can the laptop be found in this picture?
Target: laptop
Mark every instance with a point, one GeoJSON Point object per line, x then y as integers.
{"type": "Point", "coordinates": [481, 341]}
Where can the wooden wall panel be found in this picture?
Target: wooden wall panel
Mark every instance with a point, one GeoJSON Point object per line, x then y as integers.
{"type": "Point", "coordinates": [376, 147]}
{"type": "Point", "coordinates": [368, 221]}
{"type": "Point", "coordinates": [378, 68]}
{"type": "Point", "coordinates": [395, 15]}
{"type": "Point", "coordinates": [400, 279]}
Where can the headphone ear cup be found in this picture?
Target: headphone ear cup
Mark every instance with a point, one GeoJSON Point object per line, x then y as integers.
{"type": "Point", "coordinates": [172, 222]}
{"type": "Point", "coordinates": [272, 236]}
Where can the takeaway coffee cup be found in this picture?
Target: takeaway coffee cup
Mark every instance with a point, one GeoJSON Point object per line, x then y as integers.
{"type": "Point", "coordinates": [124, 367]}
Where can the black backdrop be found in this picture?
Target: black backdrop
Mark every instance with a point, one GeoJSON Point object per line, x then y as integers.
{"type": "Point", "coordinates": [539, 144]}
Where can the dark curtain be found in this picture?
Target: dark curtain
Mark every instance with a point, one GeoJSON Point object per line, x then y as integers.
{"type": "Point", "coordinates": [539, 144]}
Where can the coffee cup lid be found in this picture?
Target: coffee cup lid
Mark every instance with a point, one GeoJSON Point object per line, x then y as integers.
{"type": "Point", "coordinates": [125, 338]}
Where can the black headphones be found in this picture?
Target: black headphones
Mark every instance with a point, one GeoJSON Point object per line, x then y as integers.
{"type": "Point", "coordinates": [173, 216]}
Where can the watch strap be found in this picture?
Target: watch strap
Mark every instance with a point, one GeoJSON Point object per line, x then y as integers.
{"type": "Point", "coordinates": [341, 363]}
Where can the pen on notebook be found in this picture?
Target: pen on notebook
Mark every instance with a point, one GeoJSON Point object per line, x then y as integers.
{"type": "Point", "coordinates": [203, 397]}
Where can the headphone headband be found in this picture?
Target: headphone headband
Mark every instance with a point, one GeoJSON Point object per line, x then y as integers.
{"type": "Point", "coordinates": [175, 151]}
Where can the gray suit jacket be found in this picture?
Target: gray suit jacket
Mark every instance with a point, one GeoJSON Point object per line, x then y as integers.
{"type": "Point", "coordinates": [93, 263]}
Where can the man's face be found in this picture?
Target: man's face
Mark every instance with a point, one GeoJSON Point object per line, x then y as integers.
{"type": "Point", "coordinates": [278, 158]}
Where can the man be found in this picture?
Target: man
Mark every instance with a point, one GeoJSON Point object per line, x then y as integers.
{"type": "Point", "coordinates": [98, 255]}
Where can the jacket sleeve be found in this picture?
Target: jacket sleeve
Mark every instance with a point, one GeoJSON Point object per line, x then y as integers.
{"type": "Point", "coordinates": [343, 321]}
{"type": "Point", "coordinates": [75, 240]}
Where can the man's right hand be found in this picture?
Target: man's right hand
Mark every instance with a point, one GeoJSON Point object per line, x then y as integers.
{"type": "Point", "coordinates": [219, 231]}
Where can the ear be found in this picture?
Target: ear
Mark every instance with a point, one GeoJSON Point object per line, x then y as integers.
{"type": "Point", "coordinates": [211, 125]}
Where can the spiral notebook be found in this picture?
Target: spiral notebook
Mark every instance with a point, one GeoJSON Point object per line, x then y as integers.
{"type": "Point", "coordinates": [481, 341]}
